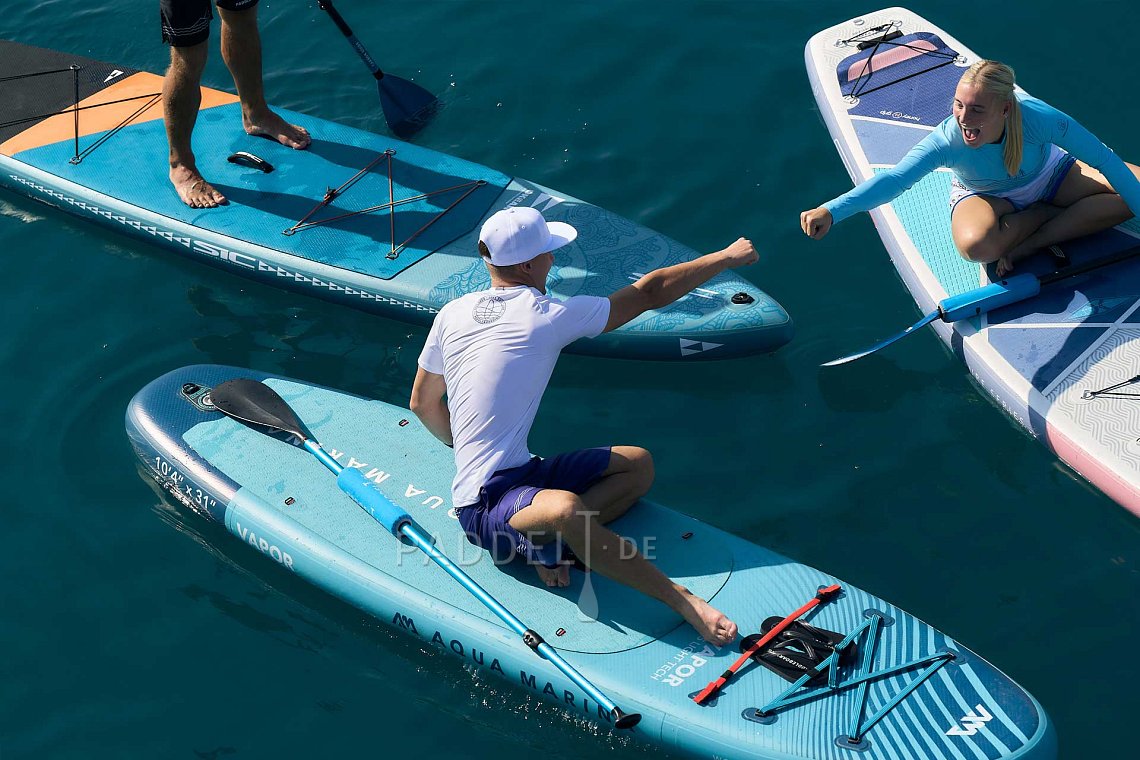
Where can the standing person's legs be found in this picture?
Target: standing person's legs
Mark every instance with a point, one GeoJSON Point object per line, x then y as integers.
{"type": "Point", "coordinates": [241, 50]}
{"type": "Point", "coordinates": [185, 27]}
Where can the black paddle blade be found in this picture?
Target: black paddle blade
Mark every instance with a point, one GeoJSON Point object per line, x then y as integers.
{"type": "Point", "coordinates": [255, 402]}
{"type": "Point", "coordinates": [407, 106]}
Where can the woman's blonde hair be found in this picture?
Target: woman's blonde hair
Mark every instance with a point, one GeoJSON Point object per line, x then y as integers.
{"type": "Point", "coordinates": [998, 80]}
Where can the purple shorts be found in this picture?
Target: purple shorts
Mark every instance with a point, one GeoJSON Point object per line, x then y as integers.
{"type": "Point", "coordinates": [487, 522]}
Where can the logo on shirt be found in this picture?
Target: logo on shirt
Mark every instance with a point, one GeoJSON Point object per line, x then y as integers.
{"type": "Point", "coordinates": [488, 309]}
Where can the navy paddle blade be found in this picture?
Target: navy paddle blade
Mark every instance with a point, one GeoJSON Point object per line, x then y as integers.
{"type": "Point", "coordinates": [884, 343]}
{"type": "Point", "coordinates": [252, 401]}
{"type": "Point", "coordinates": [407, 106]}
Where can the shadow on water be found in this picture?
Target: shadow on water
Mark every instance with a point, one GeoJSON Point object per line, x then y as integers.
{"type": "Point", "coordinates": [356, 158]}
{"type": "Point", "coordinates": [267, 329]}
{"type": "Point", "coordinates": [876, 384]}
{"type": "Point", "coordinates": [374, 225]}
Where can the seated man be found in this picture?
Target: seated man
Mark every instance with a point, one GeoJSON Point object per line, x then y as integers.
{"type": "Point", "coordinates": [492, 354]}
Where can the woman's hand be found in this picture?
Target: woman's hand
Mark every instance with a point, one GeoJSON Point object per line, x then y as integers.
{"type": "Point", "coordinates": [815, 223]}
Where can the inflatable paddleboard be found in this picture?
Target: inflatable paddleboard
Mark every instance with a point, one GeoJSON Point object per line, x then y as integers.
{"type": "Point", "coordinates": [358, 218]}
{"type": "Point", "coordinates": [923, 694]}
{"type": "Point", "coordinates": [1064, 363]}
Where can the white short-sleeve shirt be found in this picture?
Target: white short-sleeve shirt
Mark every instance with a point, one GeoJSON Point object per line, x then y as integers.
{"type": "Point", "coordinates": [496, 350]}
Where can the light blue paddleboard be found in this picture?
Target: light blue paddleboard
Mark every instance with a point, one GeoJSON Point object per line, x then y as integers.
{"type": "Point", "coordinates": [412, 252]}
{"type": "Point", "coordinates": [280, 501]}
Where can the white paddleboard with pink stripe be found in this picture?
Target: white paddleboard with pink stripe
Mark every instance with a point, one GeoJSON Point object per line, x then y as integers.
{"type": "Point", "coordinates": [1065, 364]}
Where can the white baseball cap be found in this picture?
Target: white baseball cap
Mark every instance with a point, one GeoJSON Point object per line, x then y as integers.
{"type": "Point", "coordinates": [518, 234]}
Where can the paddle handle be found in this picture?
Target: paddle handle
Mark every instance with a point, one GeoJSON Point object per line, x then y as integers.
{"type": "Point", "coordinates": [334, 14]}
{"type": "Point", "coordinates": [1018, 288]}
{"type": "Point", "coordinates": [988, 297]}
{"type": "Point", "coordinates": [1089, 266]}
{"type": "Point", "coordinates": [368, 495]}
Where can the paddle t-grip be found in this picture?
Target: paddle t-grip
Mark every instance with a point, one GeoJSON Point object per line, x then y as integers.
{"type": "Point", "coordinates": [369, 496]}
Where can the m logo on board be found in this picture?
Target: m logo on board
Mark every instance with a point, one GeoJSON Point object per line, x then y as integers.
{"type": "Point", "coordinates": [971, 722]}
{"type": "Point", "coordinates": [112, 75]}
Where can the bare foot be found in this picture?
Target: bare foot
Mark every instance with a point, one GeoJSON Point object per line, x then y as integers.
{"type": "Point", "coordinates": [273, 126]}
{"type": "Point", "coordinates": [713, 626]}
{"type": "Point", "coordinates": [554, 576]}
{"type": "Point", "coordinates": [194, 191]}
{"type": "Point", "coordinates": [1004, 266]}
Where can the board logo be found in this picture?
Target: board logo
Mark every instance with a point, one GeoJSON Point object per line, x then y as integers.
{"type": "Point", "coordinates": [113, 75]}
{"type": "Point", "coordinates": [488, 309]}
{"type": "Point", "coordinates": [971, 722]}
{"type": "Point", "coordinates": [690, 347]}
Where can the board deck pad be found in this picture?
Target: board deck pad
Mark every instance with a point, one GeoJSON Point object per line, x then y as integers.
{"type": "Point", "coordinates": [40, 96]}
{"type": "Point", "coordinates": [279, 501]}
{"type": "Point", "coordinates": [400, 241]}
{"type": "Point", "coordinates": [627, 619]}
{"type": "Point", "coordinates": [1034, 357]}
{"type": "Point", "coordinates": [263, 205]}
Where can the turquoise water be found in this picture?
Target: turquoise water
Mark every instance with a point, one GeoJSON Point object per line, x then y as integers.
{"type": "Point", "coordinates": [132, 630]}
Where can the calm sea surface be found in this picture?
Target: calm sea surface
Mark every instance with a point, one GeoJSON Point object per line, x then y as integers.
{"type": "Point", "coordinates": [131, 630]}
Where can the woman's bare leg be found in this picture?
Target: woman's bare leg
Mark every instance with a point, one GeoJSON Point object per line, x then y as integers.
{"type": "Point", "coordinates": [985, 227]}
{"type": "Point", "coordinates": [1088, 204]}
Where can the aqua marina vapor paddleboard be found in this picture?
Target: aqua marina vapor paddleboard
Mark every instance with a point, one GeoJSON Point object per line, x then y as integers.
{"type": "Point", "coordinates": [411, 252]}
{"type": "Point", "coordinates": [1064, 363]}
{"type": "Point", "coordinates": [925, 695]}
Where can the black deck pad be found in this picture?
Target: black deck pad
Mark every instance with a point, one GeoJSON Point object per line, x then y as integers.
{"type": "Point", "coordinates": [45, 95]}
{"type": "Point", "coordinates": [797, 650]}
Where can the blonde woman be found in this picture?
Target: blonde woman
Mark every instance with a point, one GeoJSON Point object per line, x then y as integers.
{"type": "Point", "coordinates": [1025, 175]}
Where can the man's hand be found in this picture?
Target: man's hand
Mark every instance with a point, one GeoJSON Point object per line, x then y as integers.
{"type": "Point", "coordinates": [741, 253]}
{"type": "Point", "coordinates": [662, 287]}
{"type": "Point", "coordinates": [815, 223]}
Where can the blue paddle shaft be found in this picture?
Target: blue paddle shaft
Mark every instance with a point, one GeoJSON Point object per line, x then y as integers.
{"type": "Point", "coordinates": [981, 300]}
{"type": "Point", "coordinates": [369, 496]}
{"type": "Point", "coordinates": [469, 583]}
{"type": "Point", "coordinates": [401, 525]}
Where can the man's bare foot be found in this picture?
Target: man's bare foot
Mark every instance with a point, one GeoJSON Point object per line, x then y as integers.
{"type": "Point", "coordinates": [194, 191]}
{"type": "Point", "coordinates": [554, 576]}
{"type": "Point", "coordinates": [713, 626]}
{"type": "Point", "coordinates": [273, 126]}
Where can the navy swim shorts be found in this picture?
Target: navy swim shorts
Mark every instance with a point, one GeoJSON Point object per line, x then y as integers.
{"type": "Point", "coordinates": [187, 22]}
{"type": "Point", "coordinates": [487, 522]}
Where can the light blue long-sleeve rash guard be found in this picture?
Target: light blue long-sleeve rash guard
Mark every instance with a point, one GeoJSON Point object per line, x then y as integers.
{"type": "Point", "coordinates": [982, 169]}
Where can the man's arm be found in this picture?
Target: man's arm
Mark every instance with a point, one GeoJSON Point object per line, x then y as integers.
{"type": "Point", "coordinates": [427, 403]}
{"type": "Point", "coordinates": [662, 287]}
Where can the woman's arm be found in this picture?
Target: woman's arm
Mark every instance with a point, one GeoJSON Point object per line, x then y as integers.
{"type": "Point", "coordinates": [1066, 132]}
{"type": "Point", "coordinates": [884, 187]}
